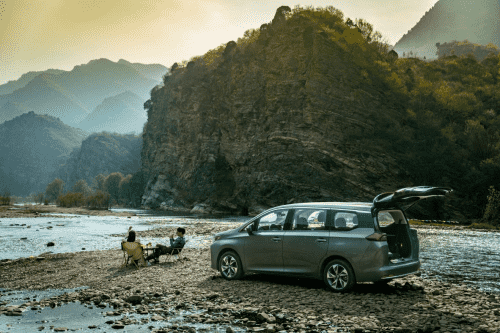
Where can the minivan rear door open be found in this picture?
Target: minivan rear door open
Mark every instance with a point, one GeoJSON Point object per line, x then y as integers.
{"type": "Point", "coordinates": [406, 197]}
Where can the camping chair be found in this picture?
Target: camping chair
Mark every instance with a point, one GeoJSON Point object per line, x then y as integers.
{"type": "Point", "coordinates": [133, 250]}
{"type": "Point", "coordinates": [176, 254]}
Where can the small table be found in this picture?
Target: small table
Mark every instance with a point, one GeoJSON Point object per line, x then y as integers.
{"type": "Point", "coordinates": [146, 250]}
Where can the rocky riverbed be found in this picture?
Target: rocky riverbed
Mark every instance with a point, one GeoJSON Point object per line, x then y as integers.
{"type": "Point", "coordinates": [257, 303]}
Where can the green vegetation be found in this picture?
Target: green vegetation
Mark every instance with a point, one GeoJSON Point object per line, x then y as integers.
{"type": "Point", "coordinates": [106, 190]}
{"type": "Point", "coordinates": [464, 48]}
{"type": "Point", "coordinates": [492, 211]}
{"type": "Point", "coordinates": [99, 200]}
{"type": "Point", "coordinates": [5, 199]}
{"type": "Point", "coordinates": [483, 226]}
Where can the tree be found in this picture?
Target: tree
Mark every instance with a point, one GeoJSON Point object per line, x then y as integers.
{"type": "Point", "coordinates": [112, 185]}
{"type": "Point", "coordinates": [81, 187]}
{"type": "Point", "coordinates": [98, 183]}
{"type": "Point", "coordinates": [125, 190]}
{"type": "Point", "coordinates": [54, 189]}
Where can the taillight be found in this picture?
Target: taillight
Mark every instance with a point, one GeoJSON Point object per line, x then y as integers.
{"type": "Point", "coordinates": [378, 237]}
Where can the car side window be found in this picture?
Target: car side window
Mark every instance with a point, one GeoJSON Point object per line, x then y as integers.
{"type": "Point", "coordinates": [309, 219]}
{"type": "Point", "coordinates": [345, 220]}
{"type": "Point", "coordinates": [272, 221]}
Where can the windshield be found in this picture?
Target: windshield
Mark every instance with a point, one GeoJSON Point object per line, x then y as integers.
{"type": "Point", "coordinates": [388, 217]}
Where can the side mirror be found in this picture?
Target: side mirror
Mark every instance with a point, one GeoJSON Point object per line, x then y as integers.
{"type": "Point", "coordinates": [250, 229]}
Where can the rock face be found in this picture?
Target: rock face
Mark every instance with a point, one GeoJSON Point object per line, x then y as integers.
{"type": "Point", "coordinates": [448, 20]}
{"type": "Point", "coordinates": [31, 148]}
{"type": "Point", "coordinates": [266, 124]}
{"type": "Point", "coordinates": [101, 153]}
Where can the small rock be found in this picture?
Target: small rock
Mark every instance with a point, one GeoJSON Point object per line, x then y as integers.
{"type": "Point", "coordinates": [60, 329]}
{"type": "Point", "coordinates": [50, 244]}
{"type": "Point", "coordinates": [92, 326]}
{"type": "Point", "coordinates": [134, 299]}
{"type": "Point", "coordinates": [117, 326]}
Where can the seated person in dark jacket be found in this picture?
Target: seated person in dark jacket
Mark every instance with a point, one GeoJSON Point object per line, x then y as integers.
{"type": "Point", "coordinates": [174, 244]}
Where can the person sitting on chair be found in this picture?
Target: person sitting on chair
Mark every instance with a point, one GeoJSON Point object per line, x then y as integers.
{"type": "Point", "coordinates": [133, 246]}
{"type": "Point", "coordinates": [178, 243]}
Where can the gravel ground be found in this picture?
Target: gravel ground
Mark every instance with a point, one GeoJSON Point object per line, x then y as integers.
{"type": "Point", "coordinates": [257, 303]}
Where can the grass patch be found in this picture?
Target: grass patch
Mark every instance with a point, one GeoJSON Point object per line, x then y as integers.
{"type": "Point", "coordinates": [434, 224]}
{"type": "Point", "coordinates": [483, 226]}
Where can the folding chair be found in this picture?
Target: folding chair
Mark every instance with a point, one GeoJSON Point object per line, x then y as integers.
{"type": "Point", "coordinates": [133, 250]}
{"type": "Point", "coordinates": [176, 254]}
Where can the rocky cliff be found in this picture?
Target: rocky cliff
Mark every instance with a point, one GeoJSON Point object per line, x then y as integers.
{"type": "Point", "coordinates": [270, 120]}
{"type": "Point", "coordinates": [31, 148]}
{"type": "Point", "coordinates": [101, 153]}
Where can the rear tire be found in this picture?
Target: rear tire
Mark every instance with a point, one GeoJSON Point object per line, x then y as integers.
{"type": "Point", "coordinates": [230, 266]}
{"type": "Point", "coordinates": [339, 276]}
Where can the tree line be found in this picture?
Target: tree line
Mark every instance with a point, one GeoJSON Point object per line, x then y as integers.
{"type": "Point", "coordinates": [105, 191]}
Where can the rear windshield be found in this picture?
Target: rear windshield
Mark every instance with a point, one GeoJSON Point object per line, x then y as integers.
{"type": "Point", "coordinates": [388, 217]}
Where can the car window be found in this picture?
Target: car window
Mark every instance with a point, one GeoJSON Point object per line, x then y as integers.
{"type": "Point", "coordinates": [309, 219]}
{"type": "Point", "coordinates": [272, 221]}
{"type": "Point", "coordinates": [344, 220]}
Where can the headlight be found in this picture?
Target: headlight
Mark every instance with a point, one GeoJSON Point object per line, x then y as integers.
{"type": "Point", "coordinates": [216, 238]}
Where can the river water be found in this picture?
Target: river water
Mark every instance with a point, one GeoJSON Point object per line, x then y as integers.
{"type": "Point", "coordinates": [460, 256]}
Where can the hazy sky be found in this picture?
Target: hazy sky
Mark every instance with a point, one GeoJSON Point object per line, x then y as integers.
{"type": "Point", "coordinates": [41, 34]}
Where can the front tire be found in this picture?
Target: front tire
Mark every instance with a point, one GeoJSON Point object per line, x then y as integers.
{"type": "Point", "coordinates": [339, 276]}
{"type": "Point", "coordinates": [230, 266]}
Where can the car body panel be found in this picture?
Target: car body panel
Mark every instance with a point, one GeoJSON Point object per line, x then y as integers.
{"type": "Point", "coordinates": [305, 250]}
{"type": "Point", "coordinates": [263, 251]}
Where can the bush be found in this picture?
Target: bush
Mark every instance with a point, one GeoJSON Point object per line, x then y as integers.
{"type": "Point", "coordinates": [492, 211]}
{"type": "Point", "coordinates": [71, 200]}
{"type": "Point", "coordinates": [100, 200]}
{"type": "Point", "coordinates": [5, 200]}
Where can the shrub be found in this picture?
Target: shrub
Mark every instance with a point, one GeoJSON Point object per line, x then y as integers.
{"type": "Point", "coordinates": [71, 200]}
{"type": "Point", "coordinates": [100, 200]}
{"type": "Point", "coordinates": [5, 200]}
{"type": "Point", "coordinates": [492, 211]}
{"type": "Point", "coordinates": [55, 189]}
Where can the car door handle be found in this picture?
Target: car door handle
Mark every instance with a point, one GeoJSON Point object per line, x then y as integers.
{"type": "Point", "coordinates": [320, 240]}
{"type": "Point", "coordinates": [276, 239]}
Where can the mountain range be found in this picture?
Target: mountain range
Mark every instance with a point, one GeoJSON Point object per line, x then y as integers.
{"type": "Point", "coordinates": [84, 92]}
{"type": "Point", "coordinates": [476, 21]}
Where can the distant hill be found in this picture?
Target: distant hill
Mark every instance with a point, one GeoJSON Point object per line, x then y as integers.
{"type": "Point", "coordinates": [31, 148]}
{"type": "Point", "coordinates": [448, 20]}
{"type": "Point", "coordinates": [73, 95]}
{"type": "Point", "coordinates": [101, 153]}
{"type": "Point", "coordinates": [123, 113]}
{"type": "Point", "coordinates": [152, 71]}
{"type": "Point", "coordinates": [12, 86]}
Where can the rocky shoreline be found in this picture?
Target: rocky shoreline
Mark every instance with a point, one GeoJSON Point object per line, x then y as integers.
{"type": "Point", "coordinates": [257, 303]}
{"type": "Point", "coordinates": [36, 210]}
{"type": "Point", "coordinates": [190, 289]}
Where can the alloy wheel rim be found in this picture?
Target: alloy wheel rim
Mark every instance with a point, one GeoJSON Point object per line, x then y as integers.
{"type": "Point", "coordinates": [337, 277]}
{"type": "Point", "coordinates": [229, 266]}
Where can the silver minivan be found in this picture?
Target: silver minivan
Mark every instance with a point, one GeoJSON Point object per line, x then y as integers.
{"type": "Point", "coordinates": [341, 243]}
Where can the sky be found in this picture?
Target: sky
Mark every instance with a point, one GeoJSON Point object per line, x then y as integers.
{"type": "Point", "coordinates": [36, 35]}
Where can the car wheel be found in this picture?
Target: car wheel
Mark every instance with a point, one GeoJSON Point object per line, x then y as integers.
{"type": "Point", "coordinates": [230, 266]}
{"type": "Point", "coordinates": [339, 276]}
